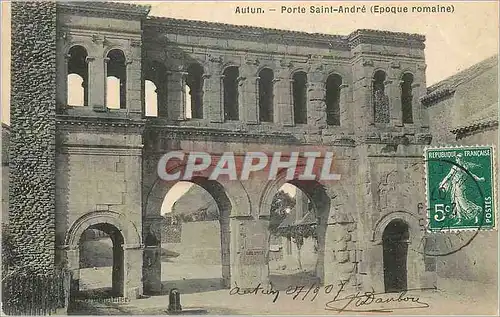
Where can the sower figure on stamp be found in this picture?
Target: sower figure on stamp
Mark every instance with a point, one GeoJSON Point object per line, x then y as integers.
{"type": "Point", "coordinates": [454, 181]}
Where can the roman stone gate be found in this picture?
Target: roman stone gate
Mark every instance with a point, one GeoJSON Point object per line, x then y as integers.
{"type": "Point", "coordinates": [148, 85]}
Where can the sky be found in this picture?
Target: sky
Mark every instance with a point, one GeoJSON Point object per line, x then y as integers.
{"type": "Point", "coordinates": [454, 41]}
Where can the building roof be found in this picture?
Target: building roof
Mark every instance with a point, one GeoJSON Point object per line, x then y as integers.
{"type": "Point", "coordinates": [447, 86]}
{"type": "Point", "coordinates": [483, 119]}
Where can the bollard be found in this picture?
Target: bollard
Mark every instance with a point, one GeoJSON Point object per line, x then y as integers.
{"type": "Point", "coordinates": [174, 301]}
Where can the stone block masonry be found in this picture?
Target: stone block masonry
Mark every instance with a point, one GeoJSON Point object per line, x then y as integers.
{"type": "Point", "coordinates": [32, 142]}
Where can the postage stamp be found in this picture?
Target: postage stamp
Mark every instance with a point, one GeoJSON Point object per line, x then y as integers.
{"type": "Point", "coordinates": [249, 157]}
{"type": "Point", "coordinates": [460, 188]}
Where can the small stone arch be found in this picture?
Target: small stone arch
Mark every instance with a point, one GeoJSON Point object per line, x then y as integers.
{"type": "Point", "coordinates": [227, 65]}
{"type": "Point", "coordinates": [333, 84]}
{"type": "Point", "coordinates": [69, 46]}
{"type": "Point", "coordinates": [230, 79]}
{"type": "Point", "coordinates": [116, 59]}
{"type": "Point", "coordinates": [380, 69]}
{"type": "Point", "coordinates": [297, 70]}
{"type": "Point", "coordinates": [406, 86]}
{"type": "Point", "coordinates": [404, 72]}
{"type": "Point", "coordinates": [127, 248]}
{"type": "Point", "coordinates": [299, 95]}
{"type": "Point", "coordinates": [265, 66]}
{"type": "Point", "coordinates": [76, 69]}
{"type": "Point", "coordinates": [119, 48]}
{"type": "Point", "coordinates": [265, 84]}
{"type": "Point", "coordinates": [411, 220]}
{"type": "Point", "coordinates": [380, 100]}
{"type": "Point", "coordinates": [128, 230]}
{"type": "Point", "coordinates": [345, 78]}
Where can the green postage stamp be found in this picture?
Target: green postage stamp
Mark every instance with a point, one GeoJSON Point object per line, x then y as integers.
{"type": "Point", "coordinates": [460, 185]}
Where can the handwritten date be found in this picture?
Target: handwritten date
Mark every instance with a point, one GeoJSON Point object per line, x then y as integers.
{"type": "Point", "coordinates": [370, 301]}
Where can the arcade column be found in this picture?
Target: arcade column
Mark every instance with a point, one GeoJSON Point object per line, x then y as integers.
{"type": "Point", "coordinates": [249, 252]}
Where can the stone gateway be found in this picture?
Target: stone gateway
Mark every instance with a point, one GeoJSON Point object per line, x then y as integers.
{"type": "Point", "coordinates": [148, 86]}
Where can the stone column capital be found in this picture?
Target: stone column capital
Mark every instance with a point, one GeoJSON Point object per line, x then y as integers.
{"type": "Point", "coordinates": [206, 76]}
{"type": "Point", "coordinates": [342, 86]}
{"type": "Point", "coordinates": [89, 59]}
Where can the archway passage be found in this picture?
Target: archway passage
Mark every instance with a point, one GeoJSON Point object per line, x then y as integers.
{"type": "Point", "coordinates": [297, 230]}
{"type": "Point", "coordinates": [395, 245]}
{"type": "Point", "coordinates": [101, 262]}
{"type": "Point", "coordinates": [195, 242]}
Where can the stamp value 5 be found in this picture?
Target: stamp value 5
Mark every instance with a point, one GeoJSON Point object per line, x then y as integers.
{"type": "Point", "coordinates": [460, 188]}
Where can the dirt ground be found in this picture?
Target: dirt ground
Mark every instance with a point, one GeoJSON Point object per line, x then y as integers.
{"type": "Point", "coordinates": [202, 294]}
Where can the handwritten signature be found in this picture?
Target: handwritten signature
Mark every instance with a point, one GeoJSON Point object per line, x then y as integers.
{"type": "Point", "coordinates": [369, 301]}
{"type": "Point", "coordinates": [374, 301]}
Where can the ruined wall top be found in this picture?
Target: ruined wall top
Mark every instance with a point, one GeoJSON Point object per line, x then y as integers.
{"type": "Point", "coordinates": [222, 30]}
{"type": "Point", "coordinates": [110, 9]}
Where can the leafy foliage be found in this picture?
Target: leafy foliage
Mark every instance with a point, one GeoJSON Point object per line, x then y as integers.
{"type": "Point", "coordinates": [281, 202]}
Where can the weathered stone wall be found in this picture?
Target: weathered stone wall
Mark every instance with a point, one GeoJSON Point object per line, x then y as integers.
{"type": "Point", "coordinates": [464, 99]}
{"type": "Point", "coordinates": [32, 143]}
{"type": "Point", "coordinates": [5, 173]}
{"type": "Point", "coordinates": [200, 243]}
{"type": "Point", "coordinates": [104, 174]}
{"type": "Point", "coordinates": [390, 185]}
{"type": "Point", "coordinates": [472, 98]}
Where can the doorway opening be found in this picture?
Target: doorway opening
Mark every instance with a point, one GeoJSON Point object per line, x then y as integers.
{"type": "Point", "coordinates": [101, 262]}
{"type": "Point", "coordinates": [395, 247]}
{"type": "Point", "coordinates": [297, 228]}
{"type": "Point", "coordinates": [195, 239]}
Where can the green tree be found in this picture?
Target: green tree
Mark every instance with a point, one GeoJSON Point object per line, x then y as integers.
{"type": "Point", "coordinates": [298, 233]}
{"type": "Point", "coordinates": [281, 204]}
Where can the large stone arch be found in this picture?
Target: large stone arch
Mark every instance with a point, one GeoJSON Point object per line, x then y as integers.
{"type": "Point", "coordinates": [227, 195]}
{"type": "Point", "coordinates": [234, 191]}
{"type": "Point", "coordinates": [318, 194]}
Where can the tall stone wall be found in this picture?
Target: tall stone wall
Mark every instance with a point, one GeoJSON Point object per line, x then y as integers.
{"type": "Point", "coordinates": [5, 174]}
{"type": "Point", "coordinates": [471, 98]}
{"type": "Point", "coordinates": [32, 142]}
